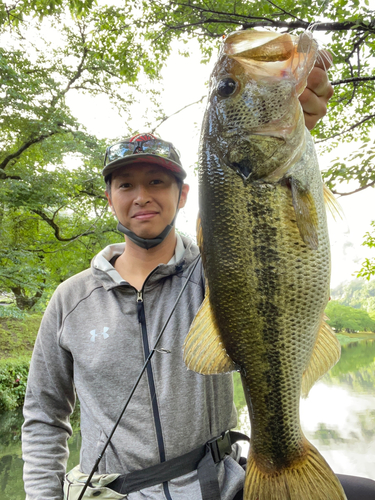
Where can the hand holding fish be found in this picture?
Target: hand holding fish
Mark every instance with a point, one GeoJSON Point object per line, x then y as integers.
{"type": "Point", "coordinates": [318, 91]}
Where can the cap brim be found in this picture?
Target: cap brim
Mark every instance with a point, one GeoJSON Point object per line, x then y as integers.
{"type": "Point", "coordinates": [170, 165]}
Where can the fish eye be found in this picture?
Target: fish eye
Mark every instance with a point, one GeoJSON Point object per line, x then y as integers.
{"type": "Point", "coordinates": [226, 87]}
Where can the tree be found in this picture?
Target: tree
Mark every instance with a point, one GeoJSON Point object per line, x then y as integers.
{"type": "Point", "coordinates": [358, 294]}
{"type": "Point", "coordinates": [368, 266]}
{"type": "Point", "coordinates": [345, 318]}
{"type": "Point", "coordinates": [119, 51]}
{"type": "Point", "coordinates": [53, 215]}
{"type": "Point", "coordinates": [14, 13]}
{"type": "Point", "coordinates": [348, 31]}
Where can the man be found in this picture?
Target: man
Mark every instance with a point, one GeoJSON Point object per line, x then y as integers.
{"type": "Point", "coordinates": [99, 328]}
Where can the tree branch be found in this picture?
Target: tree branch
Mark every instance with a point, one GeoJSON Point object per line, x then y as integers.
{"type": "Point", "coordinates": [218, 12]}
{"type": "Point", "coordinates": [365, 119]}
{"type": "Point", "coordinates": [56, 228]}
{"type": "Point", "coordinates": [25, 146]}
{"type": "Point", "coordinates": [284, 11]}
{"type": "Point", "coordinates": [53, 224]}
{"type": "Point", "coordinates": [3, 176]}
{"type": "Point", "coordinates": [41, 250]}
{"type": "Point", "coordinates": [93, 194]}
{"type": "Point", "coordinates": [354, 80]}
{"type": "Point", "coordinates": [357, 44]}
{"type": "Point", "coordinates": [165, 118]}
{"type": "Point", "coordinates": [75, 77]}
{"type": "Point", "coordinates": [265, 22]}
{"type": "Point", "coordinates": [334, 26]}
{"type": "Point", "coordinates": [355, 191]}
{"type": "Point", "coordinates": [79, 70]}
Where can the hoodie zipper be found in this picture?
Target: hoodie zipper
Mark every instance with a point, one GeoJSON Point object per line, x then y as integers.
{"type": "Point", "coordinates": [151, 384]}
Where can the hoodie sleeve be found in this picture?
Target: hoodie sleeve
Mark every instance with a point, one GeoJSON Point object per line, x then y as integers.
{"type": "Point", "coordinates": [49, 402]}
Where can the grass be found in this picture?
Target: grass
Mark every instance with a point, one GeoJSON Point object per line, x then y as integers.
{"type": "Point", "coordinates": [13, 379]}
{"type": "Point", "coordinates": [17, 336]}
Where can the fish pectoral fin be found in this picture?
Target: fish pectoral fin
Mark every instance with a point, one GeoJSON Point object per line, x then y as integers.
{"type": "Point", "coordinates": [332, 205]}
{"type": "Point", "coordinates": [326, 353]}
{"type": "Point", "coordinates": [204, 351]}
{"type": "Point", "coordinates": [306, 214]}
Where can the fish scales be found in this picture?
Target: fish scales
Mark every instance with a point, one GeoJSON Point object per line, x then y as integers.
{"type": "Point", "coordinates": [255, 282]}
{"type": "Point", "coordinates": [265, 249]}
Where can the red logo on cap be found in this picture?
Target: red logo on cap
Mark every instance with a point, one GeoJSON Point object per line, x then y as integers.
{"type": "Point", "coordinates": [142, 138]}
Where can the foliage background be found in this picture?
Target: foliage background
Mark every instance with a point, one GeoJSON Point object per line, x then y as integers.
{"type": "Point", "coordinates": [53, 55]}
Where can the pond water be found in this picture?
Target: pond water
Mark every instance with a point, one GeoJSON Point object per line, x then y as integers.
{"type": "Point", "coordinates": [338, 417]}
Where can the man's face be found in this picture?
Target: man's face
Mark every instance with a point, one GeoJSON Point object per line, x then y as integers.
{"type": "Point", "coordinates": [144, 198]}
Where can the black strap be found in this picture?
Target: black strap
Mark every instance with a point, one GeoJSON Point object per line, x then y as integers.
{"type": "Point", "coordinates": [207, 476]}
{"type": "Point", "coordinates": [202, 459]}
{"type": "Point", "coordinates": [159, 473]}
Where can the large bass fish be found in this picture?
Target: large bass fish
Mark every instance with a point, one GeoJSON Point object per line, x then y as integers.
{"type": "Point", "coordinates": [266, 256]}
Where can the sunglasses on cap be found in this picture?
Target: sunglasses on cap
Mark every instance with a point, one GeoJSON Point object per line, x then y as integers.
{"type": "Point", "coordinates": [152, 146]}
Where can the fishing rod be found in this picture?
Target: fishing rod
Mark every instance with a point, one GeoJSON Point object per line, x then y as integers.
{"type": "Point", "coordinates": [149, 357]}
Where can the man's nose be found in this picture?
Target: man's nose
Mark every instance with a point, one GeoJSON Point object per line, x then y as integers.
{"type": "Point", "coordinates": [142, 196]}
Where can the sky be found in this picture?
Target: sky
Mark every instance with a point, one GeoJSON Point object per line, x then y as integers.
{"type": "Point", "coordinates": [185, 83]}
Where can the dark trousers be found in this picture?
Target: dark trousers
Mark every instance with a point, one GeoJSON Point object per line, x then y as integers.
{"type": "Point", "coordinates": [356, 488]}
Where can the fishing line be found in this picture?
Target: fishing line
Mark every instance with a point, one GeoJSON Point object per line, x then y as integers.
{"type": "Point", "coordinates": [152, 351]}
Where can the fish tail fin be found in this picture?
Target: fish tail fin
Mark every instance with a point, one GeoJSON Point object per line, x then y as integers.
{"type": "Point", "coordinates": [311, 478]}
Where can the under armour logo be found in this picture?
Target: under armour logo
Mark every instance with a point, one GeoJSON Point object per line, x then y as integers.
{"type": "Point", "coordinates": [104, 333]}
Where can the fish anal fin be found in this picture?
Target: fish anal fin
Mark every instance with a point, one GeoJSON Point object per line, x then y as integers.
{"type": "Point", "coordinates": [307, 478]}
{"type": "Point", "coordinates": [306, 214]}
{"type": "Point", "coordinates": [326, 353]}
{"type": "Point", "coordinates": [204, 351]}
{"type": "Point", "coordinates": [332, 205]}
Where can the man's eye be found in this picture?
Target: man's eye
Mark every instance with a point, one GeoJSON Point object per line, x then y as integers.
{"type": "Point", "coordinates": [156, 181]}
{"type": "Point", "coordinates": [125, 185]}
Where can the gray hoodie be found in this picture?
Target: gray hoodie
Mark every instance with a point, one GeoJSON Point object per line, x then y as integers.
{"type": "Point", "coordinates": [93, 342]}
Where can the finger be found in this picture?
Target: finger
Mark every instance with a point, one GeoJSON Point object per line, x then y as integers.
{"type": "Point", "coordinates": [318, 91]}
{"type": "Point", "coordinates": [311, 120]}
{"type": "Point", "coordinates": [314, 107]}
{"type": "Point", "coordinates": [318, 83]}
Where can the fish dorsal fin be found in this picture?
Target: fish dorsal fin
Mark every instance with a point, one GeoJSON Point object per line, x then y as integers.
{"type": "Point", "coordinates": [326, 353]}
{"type": "Point", "coordinates": [332, 205]}
{"type": "Point", "coordinates": [306, 214]}
{"type": "Point", "coordinates": [204, 351]}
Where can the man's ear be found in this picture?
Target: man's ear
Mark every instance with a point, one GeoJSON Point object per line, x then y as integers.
{"type": "Point", "coordinates": [110, 203]}
{"type": "Point", "coordinates": [183, 198]}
